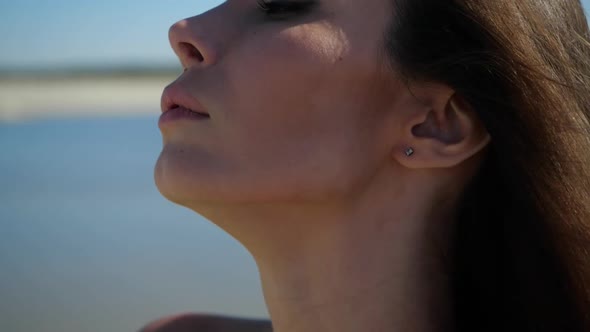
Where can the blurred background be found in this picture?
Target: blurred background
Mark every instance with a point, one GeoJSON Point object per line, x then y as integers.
{"type": "Point", "coordinates": [86, 241]}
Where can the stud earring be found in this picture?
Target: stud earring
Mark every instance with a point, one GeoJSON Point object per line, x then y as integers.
{"type": "Point", "coordinates": [409, 152]}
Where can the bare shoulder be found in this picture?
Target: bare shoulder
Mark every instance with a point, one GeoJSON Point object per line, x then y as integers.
{"type": "Point", "coordinates": [193, 322]}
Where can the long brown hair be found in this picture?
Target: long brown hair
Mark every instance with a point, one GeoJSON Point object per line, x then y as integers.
{"type": "Point", "coordinates": [521, 248]}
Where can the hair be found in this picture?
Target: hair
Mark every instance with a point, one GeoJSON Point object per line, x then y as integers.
{"type": "Point", "coordinates": [521, 243]}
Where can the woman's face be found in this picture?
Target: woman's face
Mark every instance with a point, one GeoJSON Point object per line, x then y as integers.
{"type": "Point", "coordinates": [297, 100]}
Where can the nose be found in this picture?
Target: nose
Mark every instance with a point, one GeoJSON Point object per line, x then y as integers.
{"type": "Point", "coordinates": [189, 43]}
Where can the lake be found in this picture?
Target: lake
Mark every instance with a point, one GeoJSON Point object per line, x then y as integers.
{"type": "Point", "coordinates": [87, 242]}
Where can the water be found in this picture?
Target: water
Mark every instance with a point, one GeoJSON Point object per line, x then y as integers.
{"type": "Point", "coordinates": [88, 244]}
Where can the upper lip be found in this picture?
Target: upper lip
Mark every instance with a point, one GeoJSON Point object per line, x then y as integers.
{"type": "Point", "coordinates": [175, 95]}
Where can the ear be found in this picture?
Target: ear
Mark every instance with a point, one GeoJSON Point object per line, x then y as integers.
{"type": "Point", "coordinates": [444, 132]}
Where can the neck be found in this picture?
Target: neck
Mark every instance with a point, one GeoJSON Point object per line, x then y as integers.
{"type": "Point", "coordinates": [359, 280]}
{"type": "Point", "coordinates": [369, 265]}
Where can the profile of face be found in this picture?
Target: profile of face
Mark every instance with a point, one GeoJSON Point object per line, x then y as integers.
{"type": "Point", "coordinates": [301, 97]}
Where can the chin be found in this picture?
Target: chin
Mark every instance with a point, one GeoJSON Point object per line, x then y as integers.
{"type": "Point", "coordinates": [192, 182]}
{"type": "Point", "coordinates": [181, 182]}
{"type": "Point", "coordinates": [167, 185]}
{"type": "Point", "coordinates": [191, 178]}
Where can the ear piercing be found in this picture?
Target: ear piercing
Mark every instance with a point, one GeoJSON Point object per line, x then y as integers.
{"type": "Point", "coordinates": [409, 152]}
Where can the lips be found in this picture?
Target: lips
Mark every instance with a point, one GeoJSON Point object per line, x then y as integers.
{"type": "Point", "coordinates": [176, 96]}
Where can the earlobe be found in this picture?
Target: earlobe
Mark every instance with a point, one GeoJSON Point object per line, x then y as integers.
{"type": "Point", "coordinates": [447, 135]}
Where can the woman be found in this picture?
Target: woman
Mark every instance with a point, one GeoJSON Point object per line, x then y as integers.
{"type": "Point", "coordinates": [391, 165]}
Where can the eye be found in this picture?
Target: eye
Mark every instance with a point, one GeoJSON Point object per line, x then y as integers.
{"type": "Point", "coordinates": [282, 9]}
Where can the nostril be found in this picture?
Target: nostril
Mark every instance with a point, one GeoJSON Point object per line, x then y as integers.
{"type": "Point", "coordinates": [190, 51]}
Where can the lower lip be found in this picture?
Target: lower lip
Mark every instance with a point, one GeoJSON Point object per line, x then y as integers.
{"type": "Point", "coordinates": [181, 113]}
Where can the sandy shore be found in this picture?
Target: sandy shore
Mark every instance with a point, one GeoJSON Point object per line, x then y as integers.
{"type": "Point", "coordinates": [32, 98]}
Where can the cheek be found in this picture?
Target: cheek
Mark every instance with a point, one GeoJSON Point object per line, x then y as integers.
{"type": "Point", "coordinates": [283, 82]}
{"type": "Point", "coordinates": [294, 127]}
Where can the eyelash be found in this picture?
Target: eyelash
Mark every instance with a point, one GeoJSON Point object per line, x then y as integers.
{"type": "Point", "coordinates": [281, 8]}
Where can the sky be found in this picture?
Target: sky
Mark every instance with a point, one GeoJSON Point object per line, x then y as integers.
{"type": "Point", "coordinates": [41, 33]}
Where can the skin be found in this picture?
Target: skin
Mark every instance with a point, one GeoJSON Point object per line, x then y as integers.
{"type": "Point", "coordinates": [207, 323]}
{"type": "Point", "coordinates": [303, 162]}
